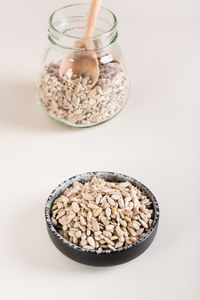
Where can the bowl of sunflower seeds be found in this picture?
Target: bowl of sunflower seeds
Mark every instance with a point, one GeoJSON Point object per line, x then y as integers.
{"type": "Point", "coordinates": [102, 218]}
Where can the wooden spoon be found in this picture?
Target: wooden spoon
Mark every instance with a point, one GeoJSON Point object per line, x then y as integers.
{"type": "Point", "coordinates": [85, 63]}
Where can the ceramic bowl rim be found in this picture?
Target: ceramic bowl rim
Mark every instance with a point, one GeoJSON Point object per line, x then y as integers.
{"type": "Point", "coordinates": [68, 182]}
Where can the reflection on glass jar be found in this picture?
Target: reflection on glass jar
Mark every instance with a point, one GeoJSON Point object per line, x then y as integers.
{"type": "Point", "coordinates": [73, 98]}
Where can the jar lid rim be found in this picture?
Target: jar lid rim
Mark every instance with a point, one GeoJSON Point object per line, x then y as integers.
{"type": "Point", "coordinates": [78, 37]}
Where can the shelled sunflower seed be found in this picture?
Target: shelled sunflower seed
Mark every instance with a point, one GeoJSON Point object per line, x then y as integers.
{"type": "Point", "coordinates": [102, 215]}
{"type": "Point", "coordinates": [71, 99]}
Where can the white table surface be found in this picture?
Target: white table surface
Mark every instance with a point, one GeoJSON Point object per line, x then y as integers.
{"type": "Point", "coordinates": [155, 139]}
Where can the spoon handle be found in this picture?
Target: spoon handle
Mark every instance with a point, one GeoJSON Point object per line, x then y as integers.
{"type": "Point", "coordinates": [92, 16]}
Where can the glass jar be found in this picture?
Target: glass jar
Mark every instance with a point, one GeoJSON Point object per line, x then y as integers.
{"type": "Point", "coordinates": [72, 98]}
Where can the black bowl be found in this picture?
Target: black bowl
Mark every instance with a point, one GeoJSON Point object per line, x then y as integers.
{"type": "Point", "coordinates": [106, 257]}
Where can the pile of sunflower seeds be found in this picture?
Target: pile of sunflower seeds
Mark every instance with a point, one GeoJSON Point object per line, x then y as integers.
{"type": "Point", "coordinates": [72, 101]}
{"type": "Point", "coordinates": [102, 215]}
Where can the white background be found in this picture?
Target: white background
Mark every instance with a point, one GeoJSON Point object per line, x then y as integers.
{"type": "Point", "coordinates": [155, 139]}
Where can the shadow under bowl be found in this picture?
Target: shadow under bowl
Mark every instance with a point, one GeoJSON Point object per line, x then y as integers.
{"type": "Point", "coordinates": [106, 257]}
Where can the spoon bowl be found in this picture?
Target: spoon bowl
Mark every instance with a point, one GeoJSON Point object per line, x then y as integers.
{"type": "Point", "coordinates": [84, 63]}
